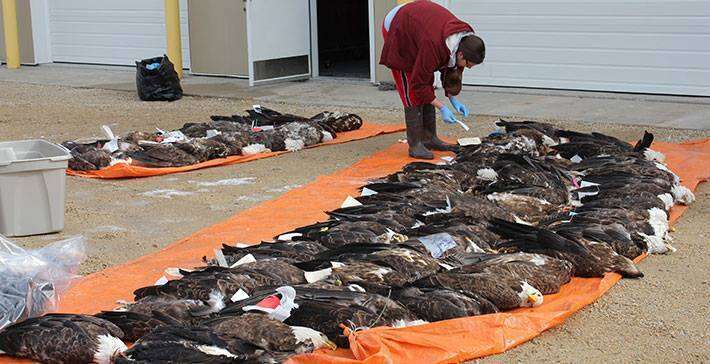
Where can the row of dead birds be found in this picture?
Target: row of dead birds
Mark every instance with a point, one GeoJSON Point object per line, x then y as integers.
{"type": "Point", "coordinates": [509, 220]}
{"type": "Point", "coordinates": [259, 131]}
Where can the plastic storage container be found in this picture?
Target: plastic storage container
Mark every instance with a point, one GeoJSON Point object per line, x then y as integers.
{"type": "Point", "coordinates": [32, 187]}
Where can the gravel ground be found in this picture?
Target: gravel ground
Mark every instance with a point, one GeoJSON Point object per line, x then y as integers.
{"type": "Point", "coordinates": [660, 318]}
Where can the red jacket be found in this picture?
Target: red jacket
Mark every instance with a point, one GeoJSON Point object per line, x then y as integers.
{"type": "Point", "coordinates": [416, 44]}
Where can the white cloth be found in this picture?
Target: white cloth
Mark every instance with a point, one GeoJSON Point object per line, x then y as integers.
{"type": "Point", "coordinates": [452, 42]}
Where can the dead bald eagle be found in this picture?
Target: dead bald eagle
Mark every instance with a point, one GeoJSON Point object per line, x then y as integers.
{"type": "Point", "coordinates": [63, 339]}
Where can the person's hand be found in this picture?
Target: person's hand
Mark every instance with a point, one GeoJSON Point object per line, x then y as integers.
{"type": "Point", "coordinates": [447, 115]}
{"type": "Point", "coordinates": [459, 107]}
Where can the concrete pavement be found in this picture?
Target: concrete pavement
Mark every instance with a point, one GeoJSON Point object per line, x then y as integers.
{"type": "Point", "coordinates": [596, 107]}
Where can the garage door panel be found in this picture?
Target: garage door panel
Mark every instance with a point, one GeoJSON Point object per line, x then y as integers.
{"type": "Point", "coordinates": [664, 24]}
{"type": "Point", "coordinates": [638, 8]}
{"type": "Point", "coordinates": [111, 32]}
{"type": "Point", "coordinates": [590, 85]}
{"type": "Point", "coordinates": [634, 46]}
{"type": "Point", "coordinates": [602, 57]}
{"type": "Point", "coordinates": [602, 73]}
{"type": "Point", "coordinates": [612, 41]}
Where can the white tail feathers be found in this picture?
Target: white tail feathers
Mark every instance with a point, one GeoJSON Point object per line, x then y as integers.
{"type": "Point", "coordinates": [109, 347]}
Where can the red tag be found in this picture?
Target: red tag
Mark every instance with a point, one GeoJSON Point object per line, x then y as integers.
{"type": "Point", "coordinates": [159, 139]}
{"type": "Point", "coordinates": [256, 128]}
{"type": "Point", "coordinates": [270, 302]}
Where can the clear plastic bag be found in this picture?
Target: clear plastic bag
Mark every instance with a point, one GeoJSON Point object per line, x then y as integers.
{"type": "Point", "coordinates": [31, 281]}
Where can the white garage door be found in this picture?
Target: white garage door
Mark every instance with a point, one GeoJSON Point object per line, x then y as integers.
{"type": "Point", "coordinates": [647, 46]}
{"type": "Point", "coordinates": [111, 32]}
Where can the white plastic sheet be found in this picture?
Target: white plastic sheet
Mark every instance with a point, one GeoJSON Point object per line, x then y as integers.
{"type": "Point", "coordinates": [31, 281]}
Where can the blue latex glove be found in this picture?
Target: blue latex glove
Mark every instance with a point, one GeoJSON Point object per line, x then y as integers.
{"type": "Point", "coordinates": [447, 115]}
{"type": "Point", "coordinates": [461, 108]}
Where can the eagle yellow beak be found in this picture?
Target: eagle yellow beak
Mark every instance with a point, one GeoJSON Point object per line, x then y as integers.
{"type": "Point", "coordinates": [532, 299]}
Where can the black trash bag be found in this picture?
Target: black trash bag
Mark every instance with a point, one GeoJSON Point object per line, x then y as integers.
{"type": "Point", "coordinates": [159, 84]}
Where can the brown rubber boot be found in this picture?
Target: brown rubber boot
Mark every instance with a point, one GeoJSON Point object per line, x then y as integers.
{"type": "Point", "coordinates": [415, 133]}
{"type": "Point", "coordinates": [431, 140]}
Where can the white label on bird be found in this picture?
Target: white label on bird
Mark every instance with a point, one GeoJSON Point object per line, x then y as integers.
{"type": "Point", "coordinates": [212, 133]}
{"type": "Point", "coordinates": [447, 159]}
{"type": "Point", "coordinates": [219, 257]}
{"type": "Point", "coordinates": [469, 141]}
{"type": "Point", "coordinates": [111, 146]}
{"type": "Point", "coordinates": [438, 244]}
{"type": "Point", "coordinates": [173, 137]}
{"type": "Point", "coordinates": [239, 296]}
{"type": "Point", "coordinates": [289, 236]}
{"type": "Point", "coordinates": [350, 202]}
{"type": "Point", "coordinates": [367, 192]}
{"type": "Point", "coordinates": [244, 260]}
{"type": "Point", "coordinates": [161, 281]}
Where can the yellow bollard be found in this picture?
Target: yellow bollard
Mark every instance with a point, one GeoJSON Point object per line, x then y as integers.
{"type": "Point", "coordinates": [12, 41]}
{"type": "Point", "coordinates": [172, 27]}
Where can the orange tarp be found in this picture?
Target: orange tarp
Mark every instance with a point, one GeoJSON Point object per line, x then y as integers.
{"type": "Point", "coordinates": [440, 342]}
{"type": "Point", "coordinates": [123, 170]}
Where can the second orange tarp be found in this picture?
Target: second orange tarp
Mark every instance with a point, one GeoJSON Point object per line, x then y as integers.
{"type": "Point", "coordinates": [440, 342]}
{"type": "Point", "coordinates": [123, 170]}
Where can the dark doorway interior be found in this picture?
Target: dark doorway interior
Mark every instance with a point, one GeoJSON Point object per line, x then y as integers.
{"type": "Point", "coordinates": [343, 38]}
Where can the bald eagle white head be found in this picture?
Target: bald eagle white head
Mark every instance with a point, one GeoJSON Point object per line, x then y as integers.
{"type": "Point", "coordinates": [529, 296]}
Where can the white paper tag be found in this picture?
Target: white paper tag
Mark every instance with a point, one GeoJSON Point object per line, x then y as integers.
{"type": "Point", "coordinates": [288, 237]}
{"type": "Point", "coordinates": [244, 260]}
{"type": "Point", "coordinates": [219, 257]}
{"type": "Point", "coordinates": [350, 202]}
{"type": "Point", "coordinates": [367, 192]}
{"type": "Point", "coordinates": [111, 146]}
{"type": "Point", "coordinates": [576, 159]}
{"type": "Point", "coordinates": [437, 244]}
{"type": "Point", "coordinates": [447, 159]}
{"type": "Point", "coordinates": [239, 296]}
{"type": "Point", "coordinates": [469, 141]}
{"type": "Point", "coordinates": [161, 281]}
{"type": "Point", "coordinates": [173, 137]}
{"type": "Point", "coordinates": [212, 133]}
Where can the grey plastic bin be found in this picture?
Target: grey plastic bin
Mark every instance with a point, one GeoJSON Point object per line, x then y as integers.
{"type": "Point", "coordinates": [32, 187]}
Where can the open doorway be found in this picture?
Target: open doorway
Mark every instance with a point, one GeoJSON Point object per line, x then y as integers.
{"type": "Point", "coordinates": [343, 38]}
